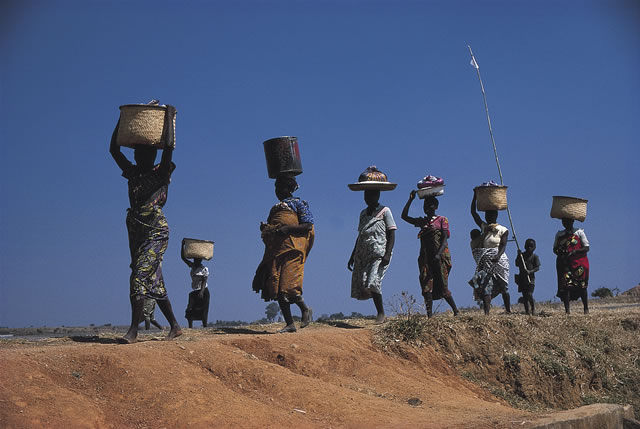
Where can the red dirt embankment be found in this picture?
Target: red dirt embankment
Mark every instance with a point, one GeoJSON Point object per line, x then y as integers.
{"type": "Point", "coordinates": [320, 377]}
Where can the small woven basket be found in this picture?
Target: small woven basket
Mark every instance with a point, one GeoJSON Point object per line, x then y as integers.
{"type": "Point", "coordinates": [142, 124]}
{"type": "Point", "coordinates": [491, 197]}
{"type": "Point", "coordinates": [200, 249]}
{"type": "Point", "coordinates": [569, 207]}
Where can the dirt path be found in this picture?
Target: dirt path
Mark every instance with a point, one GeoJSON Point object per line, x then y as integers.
{"type": "Point", "coordinates": [323, 376]}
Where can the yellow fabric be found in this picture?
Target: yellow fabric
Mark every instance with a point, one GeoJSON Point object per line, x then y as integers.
{"type": "Point", "coordinates": [281, 271]}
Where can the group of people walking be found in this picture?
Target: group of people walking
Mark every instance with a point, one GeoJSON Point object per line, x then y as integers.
{"type": "Point", "coordinates": [288, 237]}
{"type": "Point", "coordinates": [287, 245]}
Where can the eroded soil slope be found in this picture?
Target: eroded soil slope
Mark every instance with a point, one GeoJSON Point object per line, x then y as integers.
{"type": "Point", "coordinates": [323, 376]}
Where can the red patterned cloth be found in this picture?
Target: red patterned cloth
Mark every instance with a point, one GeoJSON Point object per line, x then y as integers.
{"type": "Point", "coordinates": [572, 269]}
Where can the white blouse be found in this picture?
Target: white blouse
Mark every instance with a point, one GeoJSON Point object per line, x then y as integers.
{"type": "Point", "coordinates": [492, 236]}
{"type": "Point", "coordinates": [199, 275]}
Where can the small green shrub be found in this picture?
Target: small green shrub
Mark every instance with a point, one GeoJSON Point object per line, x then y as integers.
{"type": "Point", "coordinates": [602, 292]}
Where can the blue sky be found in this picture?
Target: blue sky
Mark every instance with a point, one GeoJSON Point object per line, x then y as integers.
{"type": "Point", "coordinates": [359, 83]}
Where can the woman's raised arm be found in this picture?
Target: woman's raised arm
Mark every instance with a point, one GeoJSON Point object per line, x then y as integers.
{"type": "Point", "coordinates": [169, 140]}
{"type": "Point", "coordinates": [405, 211]}
{"type": "Point", "coordinates": [117, 155]}
{"type": "Point", "coordinates": [474, 213]}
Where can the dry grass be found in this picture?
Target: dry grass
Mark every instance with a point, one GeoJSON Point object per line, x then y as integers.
{"type": "Point", "coordinates": [549, 361]}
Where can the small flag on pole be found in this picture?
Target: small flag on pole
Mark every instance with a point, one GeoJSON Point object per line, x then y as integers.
{"type": "Point", "coordinates": [474, 63]}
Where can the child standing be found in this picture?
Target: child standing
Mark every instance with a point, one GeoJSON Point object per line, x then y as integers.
{"type": "Point", "coordinates": [528, 263]}
{"type": "Point", "coordinates": [476, 238]}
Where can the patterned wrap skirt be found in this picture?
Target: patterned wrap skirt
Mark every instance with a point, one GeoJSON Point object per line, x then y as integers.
{"type": "Point", "coordinates": [573, 271]}
{"type": "Point", "coordinates": [148, 240]}
{"type": "Point", "coordinates": [491, 278]}
{"type": "Point", "coordinates": [434, 275]}
{"type": "Point", "coordinates": [368, 270]}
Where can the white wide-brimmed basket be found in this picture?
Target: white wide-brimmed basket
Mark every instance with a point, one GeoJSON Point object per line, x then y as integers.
{"type": "Point", "coordinates": [142, 124]}
{"type": "Point", "coordinates": [372, 185]}
{"type": "Point", "coordinates": [569, 207]}
{"type": "Point", "coordinates": [433, 191]}
{"type": "Point", "coordinates": [491, 197]}
{"type": "Point", "coordinates": [199, 249]}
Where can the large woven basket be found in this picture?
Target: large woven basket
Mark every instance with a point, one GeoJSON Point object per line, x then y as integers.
{"type": "Point", "coordinates": [200, 249]}
{"type": "Point", "coordinates": [569, 207]}
{"type": "Point", "coordinates": [491, 197]}
{"type": "Point", "coordinates": [142, 124]}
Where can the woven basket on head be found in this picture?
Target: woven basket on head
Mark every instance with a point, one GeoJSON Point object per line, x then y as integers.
{"type": "Point", "coordinates": [569, 207]}
{"type": "Point", "coordinates": [142, 124]}
{"type": "Point", "coordinates": [491, 197]}
{"type": "Point", "coordinates": [200, 249]}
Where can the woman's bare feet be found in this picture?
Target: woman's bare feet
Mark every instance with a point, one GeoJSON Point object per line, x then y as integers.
{"type": "Point", "coordinates": [174, 333]}
{"type": "Point", "coordinates": [129, 338]}
{"type": "Point", "coordinates": [380, 319]}
{"type": "Point", "coordinates": [307, 317]}
{"type": "Point", "coordinates": [287, 329]}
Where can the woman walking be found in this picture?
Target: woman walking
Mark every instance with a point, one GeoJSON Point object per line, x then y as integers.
{"type": "Point", "coordinates": [572, 265]}
{"type": "Point", "coordinates": [434, 261]}
{"type": "Point", "coordinates": [373, 248]}
{"type": "Point", "coordinates": [199, 297]}
{"type": "Point", "coordinates": [147, 226]}
{"type": "Point", "coordinates": [288, 238]}
{"type": "Point", "coordinates": [492, 271]}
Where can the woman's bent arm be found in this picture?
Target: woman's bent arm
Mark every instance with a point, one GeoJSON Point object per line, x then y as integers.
{"type": "Point", "coordinates": [405, 211]}
{"type": "Point", "coordinates": [474, 213]}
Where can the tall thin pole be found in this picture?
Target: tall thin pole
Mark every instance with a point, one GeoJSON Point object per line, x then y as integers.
{"type": "Point", "coordinates": [474, 63]}
{"type": "Point", "coordinates": [486, 109]}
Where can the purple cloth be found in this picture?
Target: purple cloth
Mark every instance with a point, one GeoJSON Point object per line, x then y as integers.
{"type": "Point", "coordinates": [489, 183]}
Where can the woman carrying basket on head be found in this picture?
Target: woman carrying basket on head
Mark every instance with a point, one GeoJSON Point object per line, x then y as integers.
{"type": "Point", "coordinates": [199, 297]}
{"type": "Point", "coordinates": [572, 265]}
{"type": "Point", "coordinates": [492, 271]}
{"type": "Point", "coordinates": [146, 224]}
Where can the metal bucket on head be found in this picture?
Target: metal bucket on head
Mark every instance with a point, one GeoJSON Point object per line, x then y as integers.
{"type": "Point", "coordinates": [283, 156]}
